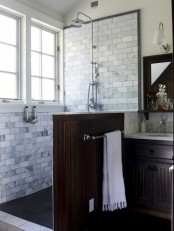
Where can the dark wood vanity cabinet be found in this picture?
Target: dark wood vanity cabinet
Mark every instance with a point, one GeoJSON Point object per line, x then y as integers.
{"type": "Point", "coordinates": [148, 180]}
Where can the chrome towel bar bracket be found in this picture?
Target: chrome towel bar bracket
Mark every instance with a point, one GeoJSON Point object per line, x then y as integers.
{"type": "Point", "coordinates": [87, 137]}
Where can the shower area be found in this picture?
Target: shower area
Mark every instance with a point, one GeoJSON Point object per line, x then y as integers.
{"type": "Point", "coordinates": [92, 102]}
{"type": "Point", "coordinates": [26, 171]}
{"type": "Point", "coordinates": [101, 59]}
{"type": "Point", "coordinates": [101, 63]}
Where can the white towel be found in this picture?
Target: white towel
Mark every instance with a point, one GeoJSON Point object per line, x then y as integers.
{"type": "Point", "coordinates": [113, 182]}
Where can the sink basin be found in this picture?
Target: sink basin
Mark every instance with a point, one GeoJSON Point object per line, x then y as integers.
{"type": "Point", "coordinates": [159, 134]}
{"type": "Point", "coordinates": [152, 136]}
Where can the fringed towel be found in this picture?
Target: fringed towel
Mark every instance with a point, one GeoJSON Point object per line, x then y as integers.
{"type": "Point", "coordinates": [113, 182]}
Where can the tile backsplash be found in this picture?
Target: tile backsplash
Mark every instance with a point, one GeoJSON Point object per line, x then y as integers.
{"type": "Point", "coordinates": [131, 122]}
{"type": "Point", "coordinates": [25, 155]}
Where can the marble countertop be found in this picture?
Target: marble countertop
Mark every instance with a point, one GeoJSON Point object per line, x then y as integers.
{"type": "Point", "coordinates": [151, 136]}
{"type": "Point", "coordinates": [90, 112]}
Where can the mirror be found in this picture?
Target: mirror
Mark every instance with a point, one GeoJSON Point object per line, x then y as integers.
{"type": "Point", "coordinates": [157, 69]}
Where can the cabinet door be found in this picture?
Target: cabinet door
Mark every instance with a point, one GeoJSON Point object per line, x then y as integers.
{"type": "Point", "coordinates": [162, 186]}
{"type": "Point", "coordinates": [140, 183]}
{"type": "Point", "coordinates": [149, 184]}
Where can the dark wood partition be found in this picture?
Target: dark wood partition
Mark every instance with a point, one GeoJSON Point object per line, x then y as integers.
{"type": "Point", "coordinates": [77, 165]}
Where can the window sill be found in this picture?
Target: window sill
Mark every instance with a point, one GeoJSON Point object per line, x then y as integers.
{"type": "Point", "coordinates": [19, 108]}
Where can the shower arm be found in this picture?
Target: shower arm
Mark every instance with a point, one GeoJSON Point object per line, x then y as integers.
{"type": "Point", "coordinates": [92, 61]}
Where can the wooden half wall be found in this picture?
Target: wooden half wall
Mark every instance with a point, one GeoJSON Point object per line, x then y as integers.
{"type": "Point", "coordinates": [78, 164]}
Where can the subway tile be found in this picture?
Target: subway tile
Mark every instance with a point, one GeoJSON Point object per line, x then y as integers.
{"type": "Point", "coordinates": [2, 125]}
{"type": "Point", "coordinates": [23, 138]}
{"type": "Point", "coordinates": [16, 189]}
{"type": "Point", "coordinates": [15, 178]}
{"type": "Point", "coordinates": [6, 192]}
{"type": "Point", "coordinates": [9, 125]}
{"type": "Point", "coordinates": [5, 144]}
{"type": "Point", "coordinates": [3, 199]}
{"type": "Point", "coordinates": [10, 161]}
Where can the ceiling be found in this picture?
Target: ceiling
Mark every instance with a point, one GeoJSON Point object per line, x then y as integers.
{"type": "Point", "coordinates": [61, 7]}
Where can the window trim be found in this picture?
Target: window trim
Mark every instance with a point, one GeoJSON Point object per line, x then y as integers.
{"type": "Point", "coordinates": [29, 15]}
{"type": "Point", "coordinates": [50, 29]}
{"type": "Point", "coordinates": [18, 55]}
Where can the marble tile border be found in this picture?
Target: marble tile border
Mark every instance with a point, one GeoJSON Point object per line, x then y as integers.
{"type": "Point", "coordinates": [11, 223]}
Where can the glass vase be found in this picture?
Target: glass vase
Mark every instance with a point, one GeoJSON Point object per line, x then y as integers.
{"type": "Point", "coordinates": [151, 104]}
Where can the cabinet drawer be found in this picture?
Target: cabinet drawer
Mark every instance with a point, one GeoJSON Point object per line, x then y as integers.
{"type": "Point", "coordinates": [152, 150]}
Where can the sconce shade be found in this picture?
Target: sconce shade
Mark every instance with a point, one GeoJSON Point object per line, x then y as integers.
{"type": "Point", "coordinates": [159, 37]}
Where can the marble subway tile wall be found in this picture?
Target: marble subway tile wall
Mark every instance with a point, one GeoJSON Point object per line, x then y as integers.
{"type": "Point", "coordinates": [116, 53]}
{"type": "Point", "coordinates": [131, 122]}
{"type": "Point", "coordinates": [25, 155]}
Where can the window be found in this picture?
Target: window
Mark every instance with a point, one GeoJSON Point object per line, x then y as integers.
{"type": "Point", "coordinates": [43, 63]}
{"type": "Point", "coordinates": [31, 66]}
{"type": "Point", "coordinates": [9, 56]}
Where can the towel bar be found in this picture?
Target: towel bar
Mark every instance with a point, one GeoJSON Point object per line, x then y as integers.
{"type": "Point", "coordinates": [88, 137]}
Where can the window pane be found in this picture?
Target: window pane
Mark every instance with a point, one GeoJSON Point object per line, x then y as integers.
{"type": "Point", "coordinates": [43, 60]}
{"type": "Point", "coordinates": [35, 86]}
{"type": "Point", "coordinates": [35, 39]}
{"type": "Point", "coordinates": [48, 66]}
{"type": "Point", "coordinates": [48, 43]}
{"type": "Point", "coordinates": [35, 64]}
{"type": "Point", "coordinates": [8, 86]}
{"type": "Point", "coordinates": [8, 28]}
{"type": "Point", "coordinates": [48, 89]}
{"type": "Point", "coordinates": [7, 58]}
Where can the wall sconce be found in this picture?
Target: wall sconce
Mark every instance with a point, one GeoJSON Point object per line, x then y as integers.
{"type": "Point", "coordinates": [159, 39]}
{"type": "Point", "coordinates": [30, 119]}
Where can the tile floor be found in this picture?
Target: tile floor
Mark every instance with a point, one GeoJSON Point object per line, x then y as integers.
{"type": "Point", "coordinates": [9, 222]}
{"type": "Point", "coordinates": [32, 212]}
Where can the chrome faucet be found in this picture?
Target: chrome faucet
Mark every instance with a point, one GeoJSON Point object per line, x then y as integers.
{"type": "Point", "coordinates": [163, 123]}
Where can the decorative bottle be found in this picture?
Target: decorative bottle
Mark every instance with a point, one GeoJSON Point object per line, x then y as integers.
{"type": "Point", "coordinates": [161, 98]}
{"type": "Point", "coordinates": [143, 126]}
{"type": "Point", "coordinates": [26, 114]}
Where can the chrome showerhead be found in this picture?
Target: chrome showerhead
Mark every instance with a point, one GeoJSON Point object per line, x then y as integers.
{"type": "Point", "coordinates": [77, 22]}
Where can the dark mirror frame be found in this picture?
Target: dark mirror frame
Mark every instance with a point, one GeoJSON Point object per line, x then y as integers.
{"type": "Point", "coordinates": [166, 78]}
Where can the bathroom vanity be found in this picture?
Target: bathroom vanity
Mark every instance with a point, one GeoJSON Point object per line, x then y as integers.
{"type": "Point", "coordinates": [148, 158]}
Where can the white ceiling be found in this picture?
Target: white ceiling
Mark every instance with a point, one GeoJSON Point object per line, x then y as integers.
{"type": "Point", "coordinates": [61, 7]}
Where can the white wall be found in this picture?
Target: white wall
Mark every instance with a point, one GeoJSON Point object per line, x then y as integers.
{"type": "Point", "coordinates": [39, 15]}
{"type": "Point", "coordinates": [152, 12]}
